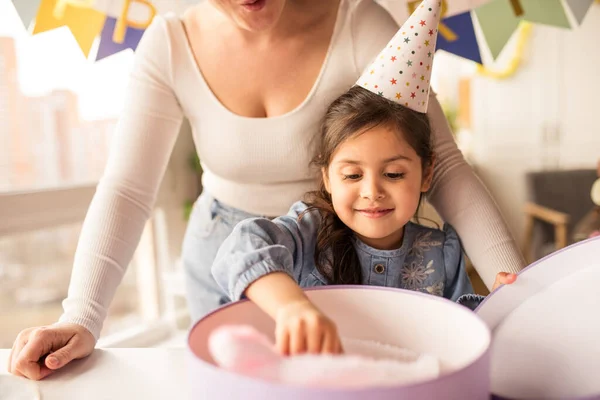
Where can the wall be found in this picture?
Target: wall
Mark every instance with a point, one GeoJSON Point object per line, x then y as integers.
{"type": "Point", "coordinates": [543, 117]}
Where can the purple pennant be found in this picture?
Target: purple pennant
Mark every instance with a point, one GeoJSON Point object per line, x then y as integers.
{"type": "Point", "coordinates": [108, 47]}
{"type": "Point", "coordinates": [466, 45]}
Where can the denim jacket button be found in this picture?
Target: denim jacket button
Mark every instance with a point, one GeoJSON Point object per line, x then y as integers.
{"type": "Point", "coordinates": [379, 268]}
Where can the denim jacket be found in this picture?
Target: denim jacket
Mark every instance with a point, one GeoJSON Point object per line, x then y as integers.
{"type": "Point", "coordinates": [429, 260]}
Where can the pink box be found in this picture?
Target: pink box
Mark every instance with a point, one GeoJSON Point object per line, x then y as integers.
{"type": "Point", "coordinates": [546, 328]}
{"type": "Point", "coordinates": [537, 338]}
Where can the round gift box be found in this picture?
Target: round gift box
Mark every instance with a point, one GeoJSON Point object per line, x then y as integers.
{"type": "Point", "coordinates": [412, 320]}
{"type": "Point", "coordinates": [545, 328]}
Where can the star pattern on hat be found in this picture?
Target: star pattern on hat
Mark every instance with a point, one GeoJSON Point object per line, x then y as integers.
{"type": "Point", "coordinates": [411, 49]}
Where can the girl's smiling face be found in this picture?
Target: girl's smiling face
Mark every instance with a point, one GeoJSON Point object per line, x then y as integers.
{"type": "Point", "coordinates": [375, 179]}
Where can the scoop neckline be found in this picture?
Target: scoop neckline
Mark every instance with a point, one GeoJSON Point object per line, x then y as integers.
{"type": "Point", "coordinates": [200, 77]}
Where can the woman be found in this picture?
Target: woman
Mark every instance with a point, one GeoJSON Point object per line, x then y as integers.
{"type": "Point", "coordinates": [254, 78]}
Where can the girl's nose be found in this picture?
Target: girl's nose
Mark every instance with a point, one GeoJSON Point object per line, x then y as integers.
{"type": "Point", "coordinates": [371, 190]}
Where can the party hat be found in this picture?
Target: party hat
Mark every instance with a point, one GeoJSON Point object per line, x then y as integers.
{"type": "Point", "coordinates": [401, 72]}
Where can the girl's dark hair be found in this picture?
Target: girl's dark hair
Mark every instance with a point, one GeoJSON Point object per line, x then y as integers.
{"type": "Point", "coordinates": [352, 114]}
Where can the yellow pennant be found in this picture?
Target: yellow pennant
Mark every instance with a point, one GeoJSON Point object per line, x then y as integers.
{"type": "Point", "coordinates": [123, 22]}
{"type": "Point", "coordinates": [84, 22]}
{"type": "Point", "coordinates": [444, 29]}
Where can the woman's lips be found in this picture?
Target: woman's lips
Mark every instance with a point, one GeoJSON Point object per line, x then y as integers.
{"type": "Point", "coordinates": [255, 5]}
{"type": "Point", "coordinates": [375, 212]}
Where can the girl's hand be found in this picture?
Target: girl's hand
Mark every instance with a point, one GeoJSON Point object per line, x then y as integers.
{"type": "Point", "coordinates": [302, 328]}
{"type": "Point", "coordinates": [504, 278]}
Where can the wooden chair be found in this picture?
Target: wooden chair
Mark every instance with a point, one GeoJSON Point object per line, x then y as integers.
{"type": "Point", "coordinates": [557, 219]}
{"type": "Point", "coordinates": [558, 199]}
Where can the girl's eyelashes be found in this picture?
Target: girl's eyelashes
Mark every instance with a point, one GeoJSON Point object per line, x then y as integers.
{"type": "Point", "coordinates": [389, 175]}
{"type": "Point", "coordinates": [394, 175]}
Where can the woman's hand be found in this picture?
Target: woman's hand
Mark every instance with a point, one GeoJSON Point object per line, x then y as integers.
{"type": "Point", "coordinates": [302, 328]}
{"type": "Point", "coordinates": [37, 352]}
{"type": "Point", "coordinates": [504, 278]}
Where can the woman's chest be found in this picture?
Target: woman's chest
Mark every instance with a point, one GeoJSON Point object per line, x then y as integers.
{"type": "Point", "coordinates": [260, 80]}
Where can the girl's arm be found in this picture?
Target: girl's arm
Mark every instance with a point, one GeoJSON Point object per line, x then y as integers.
{"type": "Point", "coordinates": [258, 246]}
{"type": "Point", "coordinates": [274, 291]}
{"type": "Point", "coordinates": [263, 260]}
{"type": "Point", "coordinates": [300, 326]}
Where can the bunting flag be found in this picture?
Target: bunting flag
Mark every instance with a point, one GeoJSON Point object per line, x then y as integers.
{"type": "Point", "coordinates": [108, 46]}
{"type": "Point", "coordinates": [500, 18]}
{"type": "Point", "coordinates": [498, 23]}
{"type": "Point", "coordinates": [579, 8]}
{"type": "Point", "coordinates": [120, 26]}
{"type": "Point", "coordinates": [402, 9]}
{"type": "Point", "coordinates": [465, 45]}
{"type": "Point", "coordinates": [546, 12]}
{"type": "Point", "coordinates": [84, 22]}
{"type": "Point", "coordinates": [27, 10]}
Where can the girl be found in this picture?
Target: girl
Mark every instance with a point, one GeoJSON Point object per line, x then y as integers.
{"type": "Point", "coordinates": [376, 162]}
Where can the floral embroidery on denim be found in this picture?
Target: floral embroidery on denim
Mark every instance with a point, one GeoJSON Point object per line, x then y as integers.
{"type": "Point", "coordinates": [415, 274]}
{"type": "Point", "coordinates": [423, 243]}
{"type": "Point", "coordinates": [436, 289]}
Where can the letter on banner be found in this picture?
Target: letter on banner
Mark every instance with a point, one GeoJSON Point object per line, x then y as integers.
{"type": "Point", "coordinates": [123, 22]}
{"type": "Point", "coordinates": [444, 30]}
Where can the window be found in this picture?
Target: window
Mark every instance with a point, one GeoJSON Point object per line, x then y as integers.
{"type": "Point", "coordinates": [57, 109]}
{"type": "Point", "coordinates": [57, 114]}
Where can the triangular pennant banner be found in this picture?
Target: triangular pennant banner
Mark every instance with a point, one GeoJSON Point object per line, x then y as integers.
{"type": "Point", "coordinates": [400, 10]}
{"type": "Point", "coordinates": [85, 23]}
{"type": "Point", "coordinates": [465, 44]}
{"type": "Point", "coordinates": [579, 8]}
{"type": "Point", "coordinates": [26, 10]}
{"type": "Point", "coordinates": [498, 22]}
{"type": "Point", "coordinates": [547, 12]}
{"type": "Point", "coordinates": [500, 18]}
{"type": "Point", "coordinates": [109, 47]}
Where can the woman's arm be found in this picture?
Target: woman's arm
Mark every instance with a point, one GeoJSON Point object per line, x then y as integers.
{"type": "Point", "coordinates": [140, 151]}
{"type": "Point", "coordinates": [462, 200]}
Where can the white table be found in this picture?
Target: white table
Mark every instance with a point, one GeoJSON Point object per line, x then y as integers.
{"type": "Point", "coordinates": [117, 374]}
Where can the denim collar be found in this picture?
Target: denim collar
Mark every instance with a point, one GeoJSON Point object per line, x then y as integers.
{"type": "Point", "coordinates": [407, 238]}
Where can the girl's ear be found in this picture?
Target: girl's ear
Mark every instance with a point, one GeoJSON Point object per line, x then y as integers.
{"type": "Point", "coordinates": [326, 180]}
{"type": "Point", "coordinates": [428, 176]}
